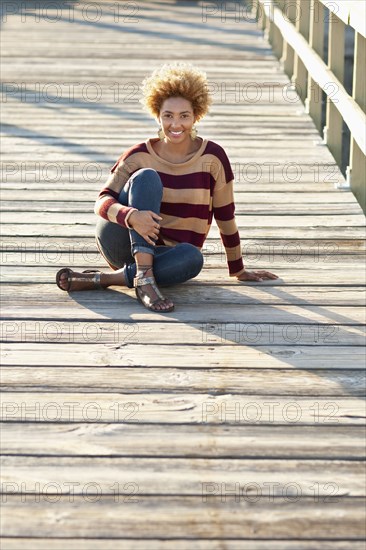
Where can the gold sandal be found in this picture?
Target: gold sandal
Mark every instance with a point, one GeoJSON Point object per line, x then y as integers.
{"type": "Point", "coordinates": [144, 298]}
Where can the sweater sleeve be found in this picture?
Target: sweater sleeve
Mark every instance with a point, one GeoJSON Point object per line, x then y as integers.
{"type": "Point", "coordinates": [107, 205]}
{"type": "Point", "coordinates": [224, 214]}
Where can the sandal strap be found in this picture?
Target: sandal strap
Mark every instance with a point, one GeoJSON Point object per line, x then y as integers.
{"type": "Point", "coordinates": [95, 280]}
{"type": "Point", "coordinates": [140, 281]}
{"type": "Point", "coordinates": [137, 282]}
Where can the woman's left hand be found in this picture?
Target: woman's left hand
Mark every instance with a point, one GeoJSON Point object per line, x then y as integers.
{"type": "Point", "coordinates": [256, 276]}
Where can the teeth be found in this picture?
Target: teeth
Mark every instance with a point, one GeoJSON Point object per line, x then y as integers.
{"type": "Point", "coordinates": [176, 133]}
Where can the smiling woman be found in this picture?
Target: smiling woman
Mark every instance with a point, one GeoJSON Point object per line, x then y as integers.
{"type": "Point", "coordinates": [158, 203]}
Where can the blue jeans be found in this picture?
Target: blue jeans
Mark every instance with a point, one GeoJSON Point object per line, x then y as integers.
{"type": "Point", "coordinates": [118, 245]}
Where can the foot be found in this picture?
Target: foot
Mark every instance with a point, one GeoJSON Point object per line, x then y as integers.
{"type": "Point", "coordinates": [70, 280]}
{"type": "Point", "coordinates": [149, 294]}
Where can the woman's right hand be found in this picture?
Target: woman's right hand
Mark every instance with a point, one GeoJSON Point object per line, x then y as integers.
{"type": "Point", "coordinates": [146, 223]}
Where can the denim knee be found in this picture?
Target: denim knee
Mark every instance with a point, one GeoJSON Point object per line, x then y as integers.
{"type": "Point", "coordinates": [195, 257]}
{"type": "Point", "coordinates": [148, 175]}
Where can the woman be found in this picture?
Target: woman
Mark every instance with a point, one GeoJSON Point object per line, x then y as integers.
{"type": "Point", "coordinates": [157, 206]}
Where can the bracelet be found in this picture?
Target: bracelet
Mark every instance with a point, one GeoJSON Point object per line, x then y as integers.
{"type": "Point", "coordinates": [127, 216]}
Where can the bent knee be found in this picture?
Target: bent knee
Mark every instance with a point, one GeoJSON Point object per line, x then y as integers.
{"type": "Point", "coordinates": [147, 175]}
{"type": "Point", "coordinates": [194, 256]}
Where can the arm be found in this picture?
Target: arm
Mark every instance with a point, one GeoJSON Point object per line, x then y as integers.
{"type": "Point", "coordinates": [107, 205]}
{"type": "Point", "coordinates": [224, 213]}
{"type": "Point", "coordinates": [145, 222]}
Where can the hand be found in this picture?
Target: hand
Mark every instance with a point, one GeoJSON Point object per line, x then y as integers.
{"type": "Point", "coordinates": [146, 223]}
{"type": "Point", "coordinates": [256, 276]}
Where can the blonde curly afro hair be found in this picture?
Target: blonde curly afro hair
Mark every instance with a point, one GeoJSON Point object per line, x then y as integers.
{"type": "Point", "coordinates": [176, 80]}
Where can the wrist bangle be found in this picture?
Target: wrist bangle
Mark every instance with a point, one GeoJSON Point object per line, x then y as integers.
{"type": "Point", "coordinates": [127, 216]}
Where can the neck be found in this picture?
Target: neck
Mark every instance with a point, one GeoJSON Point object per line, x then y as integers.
{"type": "Point", "coordinates": [177, 149]}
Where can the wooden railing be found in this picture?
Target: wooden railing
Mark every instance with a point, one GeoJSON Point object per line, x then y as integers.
{"type": "Point", "coordinates": [296, 31]}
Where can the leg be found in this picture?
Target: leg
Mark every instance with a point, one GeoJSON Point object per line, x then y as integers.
{"type": "Point", "coordinates": [113, 242]}
{"type": "Point", "coordinates": [120, 246]}
{"type": "Point", "coordinates": [144, 191]}
{"type": "Point", "coordinates": [172, 265]}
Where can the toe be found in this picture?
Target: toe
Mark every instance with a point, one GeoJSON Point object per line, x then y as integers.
{"type": "Point", "coordinates": [63, 280]}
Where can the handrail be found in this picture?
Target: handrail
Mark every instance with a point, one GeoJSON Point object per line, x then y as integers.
{"type": "Point", "coordinates": [318, 70]}
{"type": "Point", "coordinates": [351, 12]}
{"type": "Point", "coordinates": [295, 29]}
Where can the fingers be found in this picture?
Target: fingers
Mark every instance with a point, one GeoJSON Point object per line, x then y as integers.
{"type": "Point", "coordinates": [261, 275]}
{"type": "Point", "coordinates": [266, 275]}
{"type": "Point", "coordinates": [155, 217]}
{"type": "Point", "coordinates": [257, 276]}
{"type": "Point", "coordinates": [149, 240]}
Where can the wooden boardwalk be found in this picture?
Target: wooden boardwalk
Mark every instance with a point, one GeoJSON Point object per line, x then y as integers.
{"type": "Point", "coordinates": [237, 422]}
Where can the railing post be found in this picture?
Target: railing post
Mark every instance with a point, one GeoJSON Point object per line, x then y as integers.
{"type": "Point", "coordinates": [313, 101]}
{"type": "Point", "coordinates": [287, 59]}
{"type": "Point", "coordinates": [334, 121]}
{"type": "Point", "coordinates": [277, 40]}
{"type": "Point", "coordinates": [302, 26]}
{"type": "Point", "coordinates": [356, 171]}
{"type": "Point", "coordinates": [260, 14]}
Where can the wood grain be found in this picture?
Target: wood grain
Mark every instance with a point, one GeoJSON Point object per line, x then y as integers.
{"type": "Point", "coordinates": [196, 377]}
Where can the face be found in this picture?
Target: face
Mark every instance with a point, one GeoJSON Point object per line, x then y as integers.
{"type": "Point", "coordinates": [176, 119]}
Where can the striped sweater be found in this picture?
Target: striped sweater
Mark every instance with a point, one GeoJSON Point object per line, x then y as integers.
{"type": "Point", "coordinates": [193, 193]}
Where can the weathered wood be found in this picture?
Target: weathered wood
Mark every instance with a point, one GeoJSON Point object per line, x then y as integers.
{"type": "Point", "coordinates": [168, 544]}
{"type": "Point", "coordinates": [153, 515]}
{"type": "Point", "coordinates": [123, 439]}
{"type": "Point", "coordinates": [74, 307]}
{"type": "Point", "coordinates": [207, 293]}
{"type": "Point", "coordinates": [213, 348]}
{"type": "Point", "coordinates": [226, 345]}
{"type": "Point", "coordinates": [285, 381]}
{"type": "Point", "coordinates": [175, 408]}
{"type": "Point", "coordinates": [320, 479]}
{"type": "Point", "coordinates": [277, 340]}
{"type": "Point", "coordinates": [312, 274]}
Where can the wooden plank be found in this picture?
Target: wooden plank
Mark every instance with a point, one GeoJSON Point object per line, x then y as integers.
{"type": "Point", "coordinates": [219, 294]}
{"type": "Point", "coordinates": [320, 479]}
{"type": "Point", "coordinates": [209, 351]}
{"type": "Point", "coordinates": [157, 516]}
{"type": "Point", "coordinates": [296, 295]}
{"type": "Point", "coordinates": [265, 341]}
{"type": "Point", "coordinates": [271, 382]}
{"type": "Point", "coordinates": [334, 442]}
{"type": "Point", "coordinates": [318, 273]}
{"type": "Point", "coordinates": [74, 306]}
{"type": "Point", "coordinates": [177, 544]}
{"type": "Point", "coordinates": [175, 408]}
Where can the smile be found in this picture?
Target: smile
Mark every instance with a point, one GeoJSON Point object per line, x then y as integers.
{"type": "Point", "coordinates": [176, 133]}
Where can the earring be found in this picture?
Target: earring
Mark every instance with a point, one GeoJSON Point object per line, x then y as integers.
{"type": "Point", "coordinates": [193, 133]}
{"type": "Point", "coordinates": [161, 134]}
